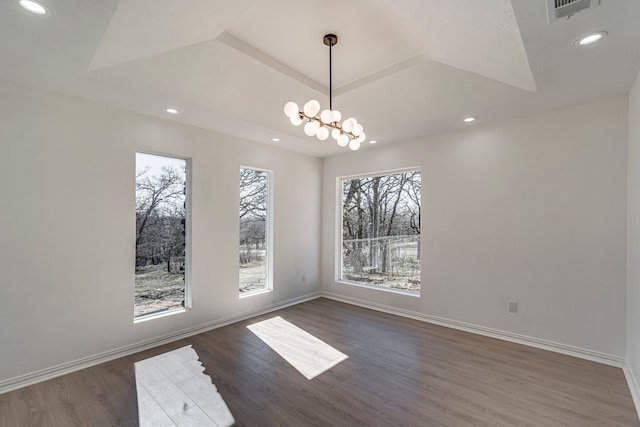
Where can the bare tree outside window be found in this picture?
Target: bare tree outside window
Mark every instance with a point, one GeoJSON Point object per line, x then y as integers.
{"type": "Point", "coordinates": [161, 196]}
{"type": "Point", "coordinates": [254, 230]}
{"type": "Point", "coordinates": [381, 230]}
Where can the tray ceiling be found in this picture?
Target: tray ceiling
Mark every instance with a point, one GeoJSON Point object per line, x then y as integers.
{"type": "Point", "coordinates": [405, 68]}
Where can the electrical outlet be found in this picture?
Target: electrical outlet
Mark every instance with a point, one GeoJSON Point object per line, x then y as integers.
{"type": "Point", "coordinates": [513, 306]}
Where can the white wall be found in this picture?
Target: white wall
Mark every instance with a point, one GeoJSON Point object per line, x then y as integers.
{"type": "Point", "coordinates": [530, 209]}
{"type": "Point", "coordinates": [633, 245]}
{"type": "Point", "coordinates": [67, 229]}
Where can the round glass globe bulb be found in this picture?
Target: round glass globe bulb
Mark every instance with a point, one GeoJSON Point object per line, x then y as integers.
{"type": "Point", "coordinates": [357, 129]}
{"type": "Point", "coordinates": [326, 116]}
{"type": "Point", "coordinates": [354, 144]}
{"type": "Point", "coordinates": [337, 116]}
{"type": "Point", "coordinates": [311, 128]}
{"type": "Point", "coordinates": [362, 137]}
{"type": "Point", "coordinates": [291, 109]}
{"type": "Point", "coordinates": [335, 134]}
{"type": "Point", "coordinates": [296, 120]}
{"type": "Point", "coordinates": [348, 124]}
{"type": "Point", "coordinates": [311, 108]}
{"type": "Point", "coordinates": [343, 140]}
{"type": "Point", "coordinates": [322, 133]}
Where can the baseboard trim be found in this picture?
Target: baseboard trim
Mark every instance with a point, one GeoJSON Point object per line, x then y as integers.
{"type": "Point", "coordinates": [581, 353]}
{"type": "Point", "coordinates": [86, 362]}
{"type": "Point", "coordinates": [634, 387]}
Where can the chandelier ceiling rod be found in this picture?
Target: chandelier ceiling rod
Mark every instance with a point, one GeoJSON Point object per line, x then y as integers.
{"type": "Point", "coordinates": [330, 40]}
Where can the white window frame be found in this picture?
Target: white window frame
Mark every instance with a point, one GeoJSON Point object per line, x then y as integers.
{"type": "Point", "coordinates": [268, 235]}
{"type": "Point", "coordinates": [339, 265]}
{"type": "Point", "coordinates": [187, 243]}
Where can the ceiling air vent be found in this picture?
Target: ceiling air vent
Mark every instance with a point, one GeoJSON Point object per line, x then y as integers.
{"type": "Point", "coordinates": [557, 9]}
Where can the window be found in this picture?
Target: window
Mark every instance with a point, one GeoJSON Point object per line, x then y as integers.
{"type": "Point", "coordinates": [161, 225]}
{"type": "Point", "coordinates": [380, 238]}
{"type": "Point", "coordinates": [255, 230]}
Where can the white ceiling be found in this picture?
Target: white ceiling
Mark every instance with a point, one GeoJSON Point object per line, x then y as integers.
{"type": "Point", "coordinates": [403, 68]}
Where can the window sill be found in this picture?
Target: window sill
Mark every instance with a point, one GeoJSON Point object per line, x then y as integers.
{"type": "Point", "coordinates": [380, 288]}
{"type": "Point", "coordinates": [252, 293]}
{"type": "Point", "coordinates": [152, 316]}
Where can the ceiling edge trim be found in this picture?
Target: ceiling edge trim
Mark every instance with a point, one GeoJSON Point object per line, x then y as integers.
{"type": "Point", "coordinates": [270, 61]}
{"type": "Point", "coordinates": [255, 53]}
{"type": "Point", "coordinates": [384, 72]}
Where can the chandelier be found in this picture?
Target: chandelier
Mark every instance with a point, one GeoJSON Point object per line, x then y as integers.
{"type": "Point", "coordinates": [350, 132]}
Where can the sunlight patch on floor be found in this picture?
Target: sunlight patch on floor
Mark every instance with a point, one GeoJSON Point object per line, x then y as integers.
{"type": "Point", "coordinates": [173, 390]}
{"type": "Point", "coordinates": [307, 354]}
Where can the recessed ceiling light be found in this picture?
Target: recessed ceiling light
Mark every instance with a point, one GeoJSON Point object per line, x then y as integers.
{"type": "Point", "coordinates": [171, 110]}
{"type": "Point", "coordinates": [275, 139]}
{"type": "Point", "coordinates": [33, 7]}
{"type": "Point", "coordinates": [373, 142]}
{"type": "Point", "coordinates": [469, 119]}
{"type": "Point", "coordinates": [591, 38]}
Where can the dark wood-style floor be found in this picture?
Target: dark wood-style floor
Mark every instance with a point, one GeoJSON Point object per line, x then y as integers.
{"type": "Point", "coordinates": [399, 372]}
